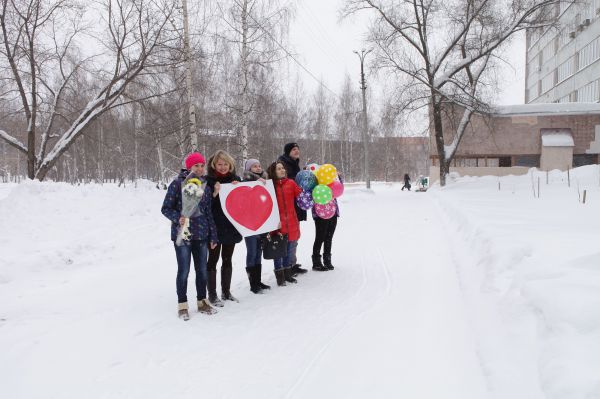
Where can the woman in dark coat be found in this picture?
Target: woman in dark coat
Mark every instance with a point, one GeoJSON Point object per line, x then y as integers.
{"type": "Point", "coordinates": [221, 169]}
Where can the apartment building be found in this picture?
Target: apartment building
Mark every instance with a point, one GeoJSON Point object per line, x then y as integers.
{"type": "Point", "coordinates": [563, 62]}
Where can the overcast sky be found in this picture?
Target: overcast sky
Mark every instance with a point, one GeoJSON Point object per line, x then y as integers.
{"type": "Point", "coordinates": [325, 47]}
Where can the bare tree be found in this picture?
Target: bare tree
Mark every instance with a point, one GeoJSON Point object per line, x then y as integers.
{"type": "Point", "coordinates": [39, 51]}
{"type": "Point", "coordinates": [443, 48]}
{"type": "Point", "coordinates": [258, 28]}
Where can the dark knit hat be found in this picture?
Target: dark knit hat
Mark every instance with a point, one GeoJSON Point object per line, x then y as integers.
{"type": "Point", "coordinates": [289, 147]}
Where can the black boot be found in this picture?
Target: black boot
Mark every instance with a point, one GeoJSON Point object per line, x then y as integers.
{"type": "Point", "coordinates": [211, 286]}
{"type": "Point", "coordinates": [251, 272]}
{"type": "Point", "coordinates": [327, 261]}
{"type": "Point", "coordinates": [297, 269]}
{"type": "Point", "coordinates": [280, 276]}
{"type": "Point", "coordinates": [226, 273]}
{"type": "Point", "coordinates": [317, 265]}
{"type": "Point", "coordinates": [287, 272]}
{"type": "Point", "coordinates": [258, 278]}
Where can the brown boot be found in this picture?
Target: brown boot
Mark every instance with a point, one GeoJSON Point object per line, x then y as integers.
{"type": "Point", "coordinates": [182, 311]}
{"type": "Point", "coordinates": [204, 307]}
{"type": "Point", "coordinates": [280, 277]}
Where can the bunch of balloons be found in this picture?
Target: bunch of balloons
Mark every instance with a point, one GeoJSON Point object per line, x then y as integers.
{"type": "Point", "coordinates": [320, 185]}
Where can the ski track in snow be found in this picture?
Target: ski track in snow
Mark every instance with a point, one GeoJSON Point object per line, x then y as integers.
{"type": "Point", "coordinates": [353, 317]}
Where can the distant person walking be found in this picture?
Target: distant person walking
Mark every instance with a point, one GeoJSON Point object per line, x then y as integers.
{"type": "Point", "coordinates": [406, 182]}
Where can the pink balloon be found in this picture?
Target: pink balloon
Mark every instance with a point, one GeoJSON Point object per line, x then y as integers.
{"type": "Point", "coordinates": [337, 188]}
{"type": "Point", "coordinates": [326, 211]}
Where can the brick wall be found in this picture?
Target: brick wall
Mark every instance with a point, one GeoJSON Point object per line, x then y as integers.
{"type": "Point", "coordinates": [516, 134]}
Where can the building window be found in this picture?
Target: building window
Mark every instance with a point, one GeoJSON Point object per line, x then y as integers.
{"type": "Point", "coordinates": [466, 162]}
{"type": "Point", "coordinates": [493, 162]}
{"type": "Point", "coordinates": [505, 162]}
{"type": "Point", "coordinates": [573, 97]}
{"type": "Point", "coordinates": [565, 69]}
{"type": "Point", "coordinates": [589, 54]}
{"type": "Point", "coordinates": [529, 161]}
{"type": "Point", "coordinates": [548, 82]}
{"type": "Point", "coordinates": [564, 5]}
{"type": "Point", "coordinates": [563, 37]}
{"type": "Point", "coordinates": [584, 159]}
{"type": "Point", "coordinates": [548, 51]}
{"type": "Point", "coordinates": [588, 93]}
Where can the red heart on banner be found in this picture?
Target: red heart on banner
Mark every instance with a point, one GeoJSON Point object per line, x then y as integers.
{"type": "Point", "coordinates": [249, 206]}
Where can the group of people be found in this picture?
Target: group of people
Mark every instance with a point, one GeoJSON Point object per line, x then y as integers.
{"type": "Point", "coordinates": [213, 236]}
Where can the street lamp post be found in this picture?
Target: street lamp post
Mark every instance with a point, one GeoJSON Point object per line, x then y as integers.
{"type": "Point", "coordinates": [363, 87]}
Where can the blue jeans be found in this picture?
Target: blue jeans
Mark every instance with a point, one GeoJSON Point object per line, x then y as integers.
{"type": "Point", "coordinates": [292, 253]}
{"type": "Point", "coordinates": [282, 263]}
{"type": "Point", "coordinates": [253, 251]}
{"type": "Point", "coordinates": [199, 250]}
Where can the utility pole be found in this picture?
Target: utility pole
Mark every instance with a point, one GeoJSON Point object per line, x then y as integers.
{"type": "Point", "coordinates": [363, 87]}
{"type": "Point", "coordinates": [188, 80]}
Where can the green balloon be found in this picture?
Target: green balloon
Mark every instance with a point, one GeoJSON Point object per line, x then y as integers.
{"type": "Point", "coordinates": [322, 194]}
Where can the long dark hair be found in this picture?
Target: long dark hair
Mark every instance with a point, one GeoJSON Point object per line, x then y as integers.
{"type": "Point", "coordinates": [272, 170]}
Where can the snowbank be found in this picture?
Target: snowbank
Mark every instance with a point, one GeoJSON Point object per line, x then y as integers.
{"type": "Point", "coordinates": [535, 262]}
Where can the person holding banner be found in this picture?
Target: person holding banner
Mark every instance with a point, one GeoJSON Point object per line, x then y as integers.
{"type": "Point", "coordinates": [286, 191]}
{"type": "Point", "coordinates": [252, 172]}
{"type": "Point", "coordinates": [202, 228]}
{"type": "Point", "coordinates": [221, 169]}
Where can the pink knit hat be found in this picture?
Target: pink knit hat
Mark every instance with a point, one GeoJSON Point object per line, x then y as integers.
{"type": "Point", "coordinates": [193, 159]}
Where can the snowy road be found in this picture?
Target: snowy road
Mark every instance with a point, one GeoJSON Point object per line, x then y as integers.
{"type": "Point", "coordinates": [389, 320]}
{"type": "Point", "coordinates": [89, 308]}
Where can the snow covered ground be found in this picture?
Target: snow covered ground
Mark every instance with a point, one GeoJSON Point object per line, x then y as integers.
{"type": "Point", "coordinates": [462, 292]}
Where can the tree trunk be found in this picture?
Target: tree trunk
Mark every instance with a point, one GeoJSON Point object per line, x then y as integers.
{"type": "Point", "coordinates": [161, 164]}
{"type": "Point", "coordinates": [436, 110]}
{"type": "Point", "coordinates": [188, 76]}
{"type": "Point", "coordinates": [101, 171]}
{"type": "Point", "coordinates": [244, 83]}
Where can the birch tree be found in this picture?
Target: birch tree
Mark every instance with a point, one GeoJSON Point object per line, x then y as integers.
{"type": "Point", "coordinates": [259, 28]}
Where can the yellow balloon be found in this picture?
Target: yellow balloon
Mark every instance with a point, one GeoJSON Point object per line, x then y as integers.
{"type": "Point", "coordinates": [326, 174]}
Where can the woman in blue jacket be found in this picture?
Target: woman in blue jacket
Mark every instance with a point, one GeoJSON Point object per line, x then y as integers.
{"type": "Point", "coordinates": [203, 229]}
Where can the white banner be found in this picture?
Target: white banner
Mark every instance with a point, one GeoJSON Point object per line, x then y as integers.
{"type": "Point", "coordinates": [250, 206]}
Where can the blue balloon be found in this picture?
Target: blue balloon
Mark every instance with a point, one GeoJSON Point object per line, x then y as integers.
{"type": "Point", "coordinates": [306, 180]}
